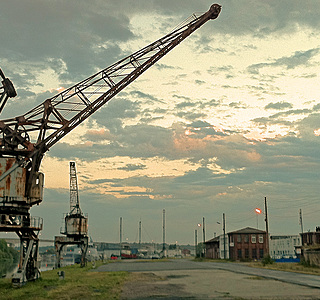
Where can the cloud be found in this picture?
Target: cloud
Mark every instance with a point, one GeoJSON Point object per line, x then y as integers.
{"type": "Point", "coordinates": [133, 167]}
{"type": "Point", "coordinates": [52, 34]}
{"type": "Point", "coordinates": [279, 105]}
{"type": "Point", "coordinates": [299, 58]}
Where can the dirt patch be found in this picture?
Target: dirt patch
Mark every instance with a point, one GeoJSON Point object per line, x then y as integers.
{"type": "Point", "coordinates": [210, 284]}
{"type": "Point", "coordinates": [149, 286]}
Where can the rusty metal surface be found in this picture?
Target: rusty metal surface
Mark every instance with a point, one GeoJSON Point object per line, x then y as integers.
{"type": "Point", "coordinates": [13, 187]}
{"type": "Point", "coordinates": [76, 225]}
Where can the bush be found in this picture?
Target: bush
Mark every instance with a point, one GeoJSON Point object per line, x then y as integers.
{"type": "Point", "coordinates": [307, 263]}
{"type": "Point", "coordinates": [267, 260]}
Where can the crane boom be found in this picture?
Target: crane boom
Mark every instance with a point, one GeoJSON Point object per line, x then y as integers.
{"type": "Point", "coordinates": [57, 116]}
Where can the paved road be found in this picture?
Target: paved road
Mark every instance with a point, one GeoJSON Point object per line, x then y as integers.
{"type": "Point", "coordinates": [185, 264]}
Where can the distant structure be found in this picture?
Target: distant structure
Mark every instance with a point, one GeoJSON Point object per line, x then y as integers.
{"type": "Point", "coordinates": [244, 244]}
{"type": "Point", "coordinates": [285, 246]}
{"type": "Point", "coordinates": [75, 223]}
{"type": "Point", "coordinates": [164, 232]}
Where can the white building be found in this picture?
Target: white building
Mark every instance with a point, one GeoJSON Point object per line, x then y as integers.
{"type": "Point", "coordinates": [224, 253]}
{"type": "Point", "coordinates": [284, 246]}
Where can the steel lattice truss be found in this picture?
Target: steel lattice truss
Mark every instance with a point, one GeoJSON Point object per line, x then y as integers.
{"type": "Point", "coordinates": [74, 194]}
{"type": "Point", "coordinates": [51, 120]}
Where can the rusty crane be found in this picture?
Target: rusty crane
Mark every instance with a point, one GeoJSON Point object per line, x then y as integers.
{"type": "Point", "coordinates": [75, 228]}
{"type": "Point", "coordinates": [26, 138]}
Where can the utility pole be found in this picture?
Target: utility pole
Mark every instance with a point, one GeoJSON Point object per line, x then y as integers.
{"type": "Point", "coordinates": [267, 227]}
{"type": "Point", "coordinates": [301, 224]}
{"type": "Point", "coordinates": [164, 231]}
{"type": "Point", "coordinates": [140, 232]}
{"type": "Point", "coordinates": [120, 235]}
{"type": "Point", "coordinates": [196, 241]}
{"type": "Point", "coordinates": [224, 235]}
{"type": "Point", "coordinates": [204, 237]}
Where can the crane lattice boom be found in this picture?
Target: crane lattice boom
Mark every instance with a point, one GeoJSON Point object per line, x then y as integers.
{"type": "Point", "coordinates": [51, 120]}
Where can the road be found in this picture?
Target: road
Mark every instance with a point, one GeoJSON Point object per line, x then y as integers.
{"type": "Point", "coordinates": [187, 279]}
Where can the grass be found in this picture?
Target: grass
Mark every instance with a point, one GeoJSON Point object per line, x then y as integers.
{"type": "Point", "coordinates": [79, 283]}
{"type": "Point", "coordinates": [289, 267]}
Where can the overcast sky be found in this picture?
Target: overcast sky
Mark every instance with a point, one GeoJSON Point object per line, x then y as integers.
{"type": "Point", "coordinates": [230, 116]}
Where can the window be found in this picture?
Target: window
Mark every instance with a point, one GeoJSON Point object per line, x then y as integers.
{"type": "Point", "coordinates": [246, 253]}
{"type": "Point", "coordinates": [246, 238]}
{"type": "Point", "coordinates": [239, 254]}
{"type": "Point", "coordinates": [254, 253]}
{"type": "Point", "coordinates": [261, 238]}
{"type": "Point", "coordinates": [253, 239]}
{"type": "Point", "coordinates": [231, 238]}
{"type": "Point", "coordinates": [239, 238]}
{"type": "Point", "coordinates": [261, 253]}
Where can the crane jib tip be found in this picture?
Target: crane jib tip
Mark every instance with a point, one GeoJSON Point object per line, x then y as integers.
{"type": "Point", "coordinates": [215, 10]}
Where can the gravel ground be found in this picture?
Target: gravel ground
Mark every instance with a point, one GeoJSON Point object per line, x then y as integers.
{"type": "Point", "coordinates": [210, 284]}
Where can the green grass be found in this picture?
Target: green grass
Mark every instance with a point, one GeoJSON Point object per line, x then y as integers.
{"type": "Point", "coordinates": [79, 283]}
{"type": "Point", "coordinates": [289, 267]}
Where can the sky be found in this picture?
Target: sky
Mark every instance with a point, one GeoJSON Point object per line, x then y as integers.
{"type": "Point", "coordinates": [227, 118]}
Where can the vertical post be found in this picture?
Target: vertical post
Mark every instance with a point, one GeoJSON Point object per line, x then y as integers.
{"type": "Point", "coordinates": [120, 235]}
{"type": "Point", "coordinates": [204, 237]}
{"type": "Point", "coordinates": [196, 241]}
{"type": "Point", "coordinates": [163, 231]}
{"type": "Point", "coordinates": [224, 236]}
{"type": "Point", "coordinates": [301, 224]}
{"type": "Point", "coordinates": [267, 227]}
{"type": "Point", "coordinates": [140, 232]}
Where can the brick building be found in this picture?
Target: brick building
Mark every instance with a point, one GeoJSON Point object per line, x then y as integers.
{"type": "Point", "coordinates": [247, 244]}
{"type": "Point", "coordinates": [311, 238]}
{"type": "Point", "coordinates": [212, 248]}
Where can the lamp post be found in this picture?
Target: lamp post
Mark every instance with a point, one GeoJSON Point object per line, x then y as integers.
{"type": "Point", "coordinates": [195, 242]}
{"type": "Point", "coordinates": [204, 237]}
{"type": "Point", "coordinates": [200, 254]}
{"type": "Point", "coordinates": [224, 234]}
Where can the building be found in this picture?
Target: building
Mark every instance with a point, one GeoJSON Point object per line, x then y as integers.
{"type": "Point", "coordinates": [224, 243]}
{"type": "Point", "coordinates": [186, 252]}
{"type": "Point", "coordinates": [284, 246]}
{"type": "Point", "coordinates": [311, 247]}
{"type": "Point", "coordinates": [212, 248]}
{"type": "Point", "coordinates": [244, 244]}
{"type": "Point", "coordinates": [311, 238]}
{"type": "Point", "coordinates": [247, 244]}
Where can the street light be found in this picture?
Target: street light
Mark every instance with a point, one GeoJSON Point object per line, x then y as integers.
{"type": "Point", "coordinates": [258, 212]}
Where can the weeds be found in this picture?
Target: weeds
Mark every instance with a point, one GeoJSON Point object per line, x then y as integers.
{"type": "Point", "coordinates": [79, 283]}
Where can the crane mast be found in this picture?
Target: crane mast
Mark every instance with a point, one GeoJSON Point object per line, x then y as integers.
{"type": "Point", "coordinates": [25, 139]}
{"type": "Point", "coordinates": [74, 194]}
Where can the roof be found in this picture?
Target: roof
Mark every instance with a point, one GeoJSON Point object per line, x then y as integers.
{"type": "Point", "coordinates": [248, 230]}
{"type": "Point", "coordinates": [214, 240]}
